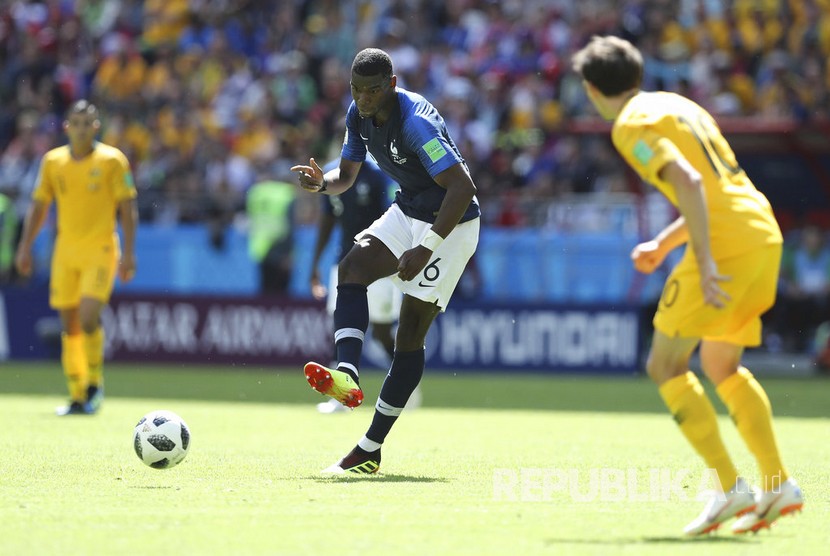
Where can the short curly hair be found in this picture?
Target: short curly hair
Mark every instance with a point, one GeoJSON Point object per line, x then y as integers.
{"type": "Point", "coordinates": [372, 61]}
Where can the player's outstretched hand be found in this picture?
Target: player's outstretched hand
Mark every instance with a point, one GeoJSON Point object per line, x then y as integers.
{"type": "Point", "coordinates": [412, 262]}
{"type": "Point", "coordinates": [318, 290]}
{"type": "Point", "coordinates": [311, 176]}
{"type": "Point", "coordinates": [126, 267]}
{"type": "Point", "coordinates": [647, 256]}
{"type": "Point", "coordinates": [23, 262]}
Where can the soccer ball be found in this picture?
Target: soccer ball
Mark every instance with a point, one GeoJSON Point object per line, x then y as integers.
{"type": "Point", "coordinates": [161, 439]}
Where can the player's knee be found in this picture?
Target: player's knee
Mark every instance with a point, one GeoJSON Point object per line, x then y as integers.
{"type": "Point", "coordinates": [411, 334]}
{"type": "Point", "coordinates": [719, 361]}
{"type": "Point", "coordinates": [352, 270]}
{"type": "Point", "coordinates": [410, 330]}
{"type": "Point", "coordinates": [653, 370]}
{"type": "Point", "coordinates": [718, 371]}
{"type": "Point", "coordinates": [660, 370]}
{"type": "Point", "coordinates": [89, 323]}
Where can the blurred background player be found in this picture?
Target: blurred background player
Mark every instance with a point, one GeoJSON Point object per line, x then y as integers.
{"type": "Point", "coordinates": [8, 233]}
{"type": "Point", "coordinates": [425, 240]}
{"type": "Point", "coordinates": [270, 209]}
{"type": "Point", "coordinates": [805, 291]}
{"type": "Point", "coordinates": [89, 182]}
{"type": "Point", "coordinates": [717, 293]}
{"type": "Point", "coordinates": [355, 210]}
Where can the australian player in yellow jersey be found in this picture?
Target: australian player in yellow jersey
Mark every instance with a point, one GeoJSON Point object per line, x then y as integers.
{"type": "Point", "coordinates": [716, 294]}
{"type": "Point", "coordinates": [89, 182]}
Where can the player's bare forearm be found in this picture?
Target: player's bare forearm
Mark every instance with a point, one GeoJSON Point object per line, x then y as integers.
{"type": "Point", "coordinates": [128, 215]}
{"type": "Point", "coordinates": [673, 235]}
{"type": "Point", "coordinates": [691, 203]}
{"type": "Point", "coordinates": [323, 235]}
{"type": "Point", "coordinates": [649, 255]}
{"type": "Point", "coordinates": [460, 191]}
{"type": "Point", "coordinates": [35, 217]}
{"type": "Point", "coordinates": [338, 181]}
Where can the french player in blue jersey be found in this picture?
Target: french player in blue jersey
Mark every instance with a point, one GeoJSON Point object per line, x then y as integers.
{"type": "Point", "coordinates": [424, 240]}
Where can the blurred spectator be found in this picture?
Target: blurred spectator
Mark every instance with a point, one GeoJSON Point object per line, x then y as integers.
{"type": "Point", "coordinates": [200, 92]}
{"type": "Point", "coordinates": [804, 297]}
{"type": "Point", "coordinates": [120, 77]}
{"type": "Point", "coordinates": [292, 88]}
{"type": "Point", "coordinates": [20, 161]}
{"type": "Point", "coordinates": [164, 22]}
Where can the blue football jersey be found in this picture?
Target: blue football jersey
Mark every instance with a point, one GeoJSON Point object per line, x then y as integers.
{"type": "Point", "coordinates": [412, 147]}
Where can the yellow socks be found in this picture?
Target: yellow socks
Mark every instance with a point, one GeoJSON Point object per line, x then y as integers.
{"type": "Point", "coordinates": [750, 409]}
{"type": "Point", "coordinates": [687, 402]}
{"type": "Point", "coordinates": [73, 358]}
{"type": "Point", "coordinates": [94, 345]}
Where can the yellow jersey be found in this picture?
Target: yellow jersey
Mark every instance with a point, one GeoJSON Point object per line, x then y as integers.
{"type": "Point", "coordinates": [86, 192]}
{"type": "Point", "coordinates": [654, 129]}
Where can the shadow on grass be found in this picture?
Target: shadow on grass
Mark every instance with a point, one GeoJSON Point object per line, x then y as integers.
{"type": "Point", "coordinates": [709, 539]}
{"type": "Point", "coordinates": [733, 539]}
{"type": "Point", "coordinates": [383, 478]}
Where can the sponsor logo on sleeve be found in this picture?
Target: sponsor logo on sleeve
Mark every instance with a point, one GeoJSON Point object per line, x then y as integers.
{"type": "Point", "coordinates": [434, 149]}
{"type": "Point", "coordinates": [643, 152]}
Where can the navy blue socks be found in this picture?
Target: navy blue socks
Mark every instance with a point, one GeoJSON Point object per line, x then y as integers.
{"type": "Point", "coordinates": [351, 319]}
{"type": "Point", "coordinates": [404, 376]}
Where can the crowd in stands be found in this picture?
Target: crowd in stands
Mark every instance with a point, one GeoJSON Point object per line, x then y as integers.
{"type": "Point", "coordinates": [206, 97]}
{"type": "Point", "coordinates": [209, 97]}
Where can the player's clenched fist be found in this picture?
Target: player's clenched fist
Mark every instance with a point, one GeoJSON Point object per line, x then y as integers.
{"type": "Point", "coordinates": [647, 256]}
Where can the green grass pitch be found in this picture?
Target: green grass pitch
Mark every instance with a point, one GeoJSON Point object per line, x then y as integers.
{"type": "Point", "coordinates": [492, 464]}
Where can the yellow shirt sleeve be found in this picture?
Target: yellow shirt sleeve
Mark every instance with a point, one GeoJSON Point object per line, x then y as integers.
{"type": "Point", "coordinates": [122, 181]}
{"type": "Point", "coordinates": [44, 189]}
{"type": "Point", "coordinates": [647, 152]}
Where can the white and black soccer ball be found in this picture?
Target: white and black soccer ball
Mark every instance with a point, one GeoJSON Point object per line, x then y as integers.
{"type": "Point", "coordinates": [161, 439]}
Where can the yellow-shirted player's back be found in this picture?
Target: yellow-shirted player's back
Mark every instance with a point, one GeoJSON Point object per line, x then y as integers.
{"type": "Point", "coordinates": [87, 192]}
{"type": "Point", "coordinates": [656, 128]}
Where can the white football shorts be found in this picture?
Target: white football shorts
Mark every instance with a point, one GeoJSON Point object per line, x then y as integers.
{"type": "Point", "coordinates": [383, 295]}
{"type": "Point", "coordinates": [437, 281]}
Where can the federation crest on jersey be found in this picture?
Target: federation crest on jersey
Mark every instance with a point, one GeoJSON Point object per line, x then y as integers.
{"type": "Point", "coordinates": [396, 158]}
{"type": "Point", "coordinates": [94, 176]}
